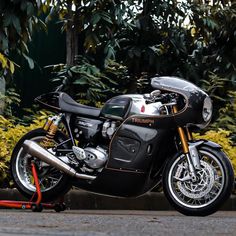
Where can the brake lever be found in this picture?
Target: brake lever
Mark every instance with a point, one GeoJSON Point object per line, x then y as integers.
{"type": "Point", "coordinates": [155, 93]}
{"type": "Point", "coordinates": [152, 97]}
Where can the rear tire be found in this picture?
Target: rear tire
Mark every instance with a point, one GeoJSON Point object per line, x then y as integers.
{"type": "Point", "coordinates": [213, 188]}
{"type": "Point", "coordinates": [22, 176]}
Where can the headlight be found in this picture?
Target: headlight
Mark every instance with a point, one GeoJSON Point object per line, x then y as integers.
{"type": "Point", "coordinates": [207, 109]}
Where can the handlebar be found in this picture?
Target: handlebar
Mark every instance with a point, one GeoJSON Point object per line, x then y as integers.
{"type": "Point", "coordinates": [168, 99]}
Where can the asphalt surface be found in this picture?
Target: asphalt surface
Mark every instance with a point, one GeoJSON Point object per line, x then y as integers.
{"type": "Point", "coordinates": [114, 223]}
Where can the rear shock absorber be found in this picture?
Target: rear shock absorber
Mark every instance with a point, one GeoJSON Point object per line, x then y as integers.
{"type": "Point", "coordinates": [51, 127]}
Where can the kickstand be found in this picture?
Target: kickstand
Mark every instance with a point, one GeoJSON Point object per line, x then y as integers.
{"type": "Point", "coordinates": [36, 206]}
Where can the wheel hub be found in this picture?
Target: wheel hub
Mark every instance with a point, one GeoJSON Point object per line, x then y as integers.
{"type": "Point", "coordinates": [203, 185]}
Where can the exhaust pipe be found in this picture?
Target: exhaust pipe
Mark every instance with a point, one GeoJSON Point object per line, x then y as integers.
{"type": "Point", "coordinates": [37, 151]}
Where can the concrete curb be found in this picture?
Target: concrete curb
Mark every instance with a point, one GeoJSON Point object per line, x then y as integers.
{"type": "Point", "coordinates": [78, 199]}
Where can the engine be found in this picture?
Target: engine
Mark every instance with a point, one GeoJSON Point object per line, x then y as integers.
{"type": "Point", "coordinates": [94, 154]}
{"type": "Point", "coordinates": [91, 158]}
{"type": "Point", "coordinates": [109, 128]}
{"type": "Point", "coordinates": [90, 129]}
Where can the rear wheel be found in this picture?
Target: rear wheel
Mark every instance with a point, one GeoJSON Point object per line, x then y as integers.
{"type": "Point", "coordinates": [213, 186]}
{"type": "Point", "coordinates": [53, 183]}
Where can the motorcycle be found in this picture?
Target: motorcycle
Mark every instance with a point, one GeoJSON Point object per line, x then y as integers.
{"type": "Point", "coordinates": [131, 145]}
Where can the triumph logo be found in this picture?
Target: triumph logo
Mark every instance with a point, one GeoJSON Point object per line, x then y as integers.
{"type": "Point", "coordinates": [85, 124]}
{"type": "Point", "coordinates": [142, 121]}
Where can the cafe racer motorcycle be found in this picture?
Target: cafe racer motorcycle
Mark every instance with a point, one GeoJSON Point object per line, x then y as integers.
{"type": "Point", "coordinates": [129, 146]}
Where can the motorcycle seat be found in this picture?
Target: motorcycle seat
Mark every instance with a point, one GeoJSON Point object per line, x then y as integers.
{"type": "Point", "coordinates": [68, 104]}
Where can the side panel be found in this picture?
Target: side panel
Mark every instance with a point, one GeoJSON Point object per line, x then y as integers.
{"type": "Point", "coordinates": [133, 147]}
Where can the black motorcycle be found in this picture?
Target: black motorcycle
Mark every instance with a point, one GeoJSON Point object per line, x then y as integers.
{"type": "Point", "coordinates": [127, 148]}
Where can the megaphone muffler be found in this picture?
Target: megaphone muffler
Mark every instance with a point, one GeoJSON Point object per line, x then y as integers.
{"type": "Point", "coordinates": [41, 153]}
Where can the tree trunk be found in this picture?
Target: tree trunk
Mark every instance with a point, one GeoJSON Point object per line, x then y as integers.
{"type": "Point", "coordinates": [72, 34]}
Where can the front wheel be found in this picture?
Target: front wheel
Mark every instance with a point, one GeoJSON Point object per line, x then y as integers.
{"type": "Point", "coordinates": [213, 186]}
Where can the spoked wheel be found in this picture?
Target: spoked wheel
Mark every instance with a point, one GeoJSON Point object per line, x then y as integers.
{"type": "Point", "coordinates": [204, 196]}
{"type": "Point", "coordinates": [53, 183]}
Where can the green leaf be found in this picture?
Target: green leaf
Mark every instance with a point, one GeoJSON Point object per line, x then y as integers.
{"type": "Point", "coordinates": [106, 17]}
{"type": "Point", "coordinates": [30, 61]}
{"type": "Point", "coordinates": [12, 67]}
{"type": "Point", "coordinates": [42, 25]}
{"type": "Point", "coordinates": [95, 18]}
{"type": "Point", "coordinates": [7, 20]}
{"type": "Point", "coordinates": [110, 80]}
{"type": "Point", "coordinates": [219, 98]}
{"type": "Point", "coordinates": [16, 23]}
{"type": "Point", "coordinates": [81, 81]}
{"type": "Point", "coordinates": [30, 9]}
{"type": "Point", "coordinates": [75, 69]}
{"type": "Point", "coordinates": [25, 47]}
{"type": "Point", "coordinates": [110, 52]}
{"type": "Point", "coordinates": [94, 70]}
{"type": "Point", "coordinates": [4, 41]}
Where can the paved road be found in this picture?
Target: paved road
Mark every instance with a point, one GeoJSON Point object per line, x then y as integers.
{"type": "Point", "coordinates": [114, 223]}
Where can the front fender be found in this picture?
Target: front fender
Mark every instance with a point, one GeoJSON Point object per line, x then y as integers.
{"type": "Point", "coordinates": [209, 144]}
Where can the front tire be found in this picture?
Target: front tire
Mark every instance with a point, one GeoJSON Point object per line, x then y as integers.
{"type": "Point", "coordinates": [53, 183]}
{"type": "Point", "coordinates": [212, 189]}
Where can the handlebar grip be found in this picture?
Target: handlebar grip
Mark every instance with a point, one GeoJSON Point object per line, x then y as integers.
{"type": "Point", "coordinates": [155, 93]}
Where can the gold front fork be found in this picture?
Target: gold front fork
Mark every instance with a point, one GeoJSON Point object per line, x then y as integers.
{"type": "Point", "coordinates": [183, 138]}
{"type": "Point", "coordinates": [184, 142]}
{"type": "Point", "coordinates": [189, 134]}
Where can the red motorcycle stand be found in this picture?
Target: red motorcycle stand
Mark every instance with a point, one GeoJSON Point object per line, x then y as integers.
{"type": "Point", "coordinates": [35, 206]}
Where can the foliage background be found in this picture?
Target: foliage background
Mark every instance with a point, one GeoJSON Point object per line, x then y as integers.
{"type": "Point", "coordinates": [115, 47]}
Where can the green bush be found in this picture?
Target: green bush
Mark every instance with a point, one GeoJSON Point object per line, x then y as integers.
{"type": "Point", "coordinates": [10, 133]}
{"type": "Point", "coordinates": [227, 116]}
{"type": "Point", "coordinates": [221, 137]}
